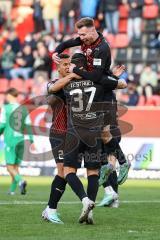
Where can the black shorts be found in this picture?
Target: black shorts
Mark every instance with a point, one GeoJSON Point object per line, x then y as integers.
{"type": "Point", "coordinates": [57, 142]}
{"type": "Point", "coordinates": [78, 149]}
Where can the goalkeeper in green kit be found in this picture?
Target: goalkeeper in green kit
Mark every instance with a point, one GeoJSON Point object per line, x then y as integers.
{"type": "Point", "coordinates": [13, 124]}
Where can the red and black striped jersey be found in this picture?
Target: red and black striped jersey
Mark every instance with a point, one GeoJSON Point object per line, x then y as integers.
{"type": "Point", "coordinates": [58, 105]}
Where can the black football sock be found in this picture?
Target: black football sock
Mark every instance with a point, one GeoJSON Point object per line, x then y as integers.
{"type": "Point", "coordinates": [111, 147]}
{"type": "Point", "coordinates": [113, 181]}
{"type": "Point", "coordinates": [76, 185]}
{"type": "Point", "coordinates": [92, 188]}
{"type": "Point", "coordinates": [120, 155]}
{"type": "Point", "coordinates": [107, 183]}
{"type": "Point", "coordinates": [57, 189]}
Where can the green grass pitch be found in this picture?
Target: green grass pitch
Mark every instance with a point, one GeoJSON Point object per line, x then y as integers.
{"type": "Point", "coordinates": [138, 216]}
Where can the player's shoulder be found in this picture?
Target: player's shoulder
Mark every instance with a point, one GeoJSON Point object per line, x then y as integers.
{"type": "Point", "coordinates": [104, 45]}
{"type": "Point", "coordinates": [51, 83]}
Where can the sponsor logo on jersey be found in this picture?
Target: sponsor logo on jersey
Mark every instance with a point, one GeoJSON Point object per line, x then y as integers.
{"type": "Point", "coordinates": [97, 62]}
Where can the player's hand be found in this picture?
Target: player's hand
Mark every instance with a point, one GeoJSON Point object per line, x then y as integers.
{"type": "Point", "coordinates": [121, 84]}
{"type": "Point", "coordinates": [71, 67]}
{"type": "Point", "coordinates": [55, 58]}
{"type": "Point", "coordinates": [118, 70]}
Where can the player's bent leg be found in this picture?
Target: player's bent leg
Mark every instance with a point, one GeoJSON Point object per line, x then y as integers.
{"type": "Point", "coordinates": [78, 189]}
{"type": "Point", "coordinates": [123, 173]}
{"type": "Point", "coordinates": [106, 134]}
{"type": "Point", "coordinates": [111, 191]}
{"type": "Point", "coordinates": [110, 151]}
{"type": "Point", "coordinates": [105, 171]}
{"type": "Point", "coordinates": [74, 182]}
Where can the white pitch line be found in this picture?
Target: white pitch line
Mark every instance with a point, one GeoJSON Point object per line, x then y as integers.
{"type": "Point", "coordinates": [68, 203]}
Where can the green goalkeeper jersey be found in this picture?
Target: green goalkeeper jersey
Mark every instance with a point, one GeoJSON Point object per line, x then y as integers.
{"type": "Point", "coordinates": [15, 123]}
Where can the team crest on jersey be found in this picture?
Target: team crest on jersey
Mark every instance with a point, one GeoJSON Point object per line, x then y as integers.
{"type": "Point", "coordinates": [89, 51]}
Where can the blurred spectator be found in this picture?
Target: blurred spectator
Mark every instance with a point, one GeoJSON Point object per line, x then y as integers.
{"type": "Point", "coordinates": [5, 7]}
{"type": "Point", "coordinates": [29, 40]}
{"type": "Point", "coordinates": [51, 12]}
{"type": "Point", "coordinates": [49, 42]}
{"type": "Point", "coordinates": [156, 42]}
{"type": "Point", "coordinates": [40, 86]}
{"type": "Point", "coordinates": [14, 41]}
{"type": "Point", "coordinates": [129, 96]}
{"type": "Point", "coordinates": [7, 61]}
{"type": "Point", "coordinates": [137, 73]}
{"type": "Point", "coordinates": [108, 9]}
{"type": "Point", "coordinates": [148, 76]}
{"type": "Point", "coordinates": [37, 16]}
{"type": "Point", "coordinates": [148, 81]}
{"type": "Point", "coordinates": [24, 61]}
{"type": "Point", "coordinates": [68, 13]}
{"type": "Point", "coordinates": [135, 18]}
{"type": "Point", "coordinates": [89, 8]}
{"type": "Point", "coordinates": [42, 64]}
{"type": "Point", "coordinates": [2, 18]}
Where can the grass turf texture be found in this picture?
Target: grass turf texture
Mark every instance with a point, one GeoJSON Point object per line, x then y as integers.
{"type": "Point", "coordinates": [137, 218]}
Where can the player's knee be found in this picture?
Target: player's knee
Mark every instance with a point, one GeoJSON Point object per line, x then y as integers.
{"type": "Point", "coordinates": [60, 170]}
{"type": "Point", "coordinates": [106, 135]}
{"type": "Point", "coordinates": [68, 170]}
{"type": "Point", "coordinates": [9, 169]}
{"type": "Point", "coordinates": [112, 160]}
{"type": "Point", "coordinates": [92, 172]}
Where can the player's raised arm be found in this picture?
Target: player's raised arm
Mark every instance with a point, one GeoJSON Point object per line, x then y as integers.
{"type": "Point", "coordinates": [113, 81]}
{"type": "Point", "coordinates": [64, 45]}
{"type": "Point", "coordinates": [73, 42]}
{"type": "Point", "coordinates": [64, 75]}
{"type": "Point", "coordinates": [54, 87]}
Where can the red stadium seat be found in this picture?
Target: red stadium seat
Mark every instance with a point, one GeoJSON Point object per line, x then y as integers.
{"type": "Point", "coordinates": [123, 25]}
{"type": "Point", "coordinates": [150, 11]}
{"type": "Point", "coordinates": [121, 40]}
{"type": "Point", "coordinates": [153, 101]}
{"type": "Point", "coordinates": [28, 84]}
{"type": "Point", "coordinates": [18, 84]}
{"type": "Point", "coordinates": [123, 10]}
{"type": "Point", "coordinates": [110, 39]}
{"type": "Point", "coordinates": [141, 101]}
{"type": "Point", "coordinates": [3, 84]}
{"type": "Point", "coordinates": [23, 2]}
{"type": "Point", "coordinates": [149, 2]}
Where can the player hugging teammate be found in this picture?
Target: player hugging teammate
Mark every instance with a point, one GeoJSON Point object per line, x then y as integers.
{"type": "Point", "coordinates": [86, 84]}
